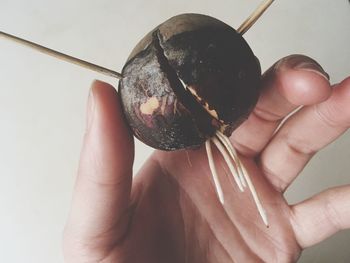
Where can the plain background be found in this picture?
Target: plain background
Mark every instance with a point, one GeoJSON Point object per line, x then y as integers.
{"type": "Point", "coordinates": [42, 100]}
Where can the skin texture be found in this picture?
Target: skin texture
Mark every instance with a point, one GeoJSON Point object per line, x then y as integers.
{"type": "Point", "coordinates": [169, 211]}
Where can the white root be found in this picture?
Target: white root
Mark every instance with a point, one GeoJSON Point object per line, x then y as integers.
{"type": "Point", "coordinates": [225, 140]}
{"type": "Point", "coordinates": [229, 162]}
{"type": "Point", "coordinates": [213, 172]}
{"type": "Point", "coordinates": [257, 201]}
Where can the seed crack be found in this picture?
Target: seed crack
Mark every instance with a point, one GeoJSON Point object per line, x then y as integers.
{"type": "Point", "coordinates": [200, 115]}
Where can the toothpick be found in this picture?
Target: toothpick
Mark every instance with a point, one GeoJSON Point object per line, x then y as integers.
{"type": "Point", "coordinates": [213, 172]}
{"type": "Point", "coordinates": [228, 161]}
{"type": "Point", "coordinates": [254, 17]}
{"type": "Point", "coordinates": [62, 56]}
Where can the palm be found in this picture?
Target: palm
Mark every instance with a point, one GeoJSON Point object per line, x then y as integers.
{"type": "Point", "coordinates": [178, 218]}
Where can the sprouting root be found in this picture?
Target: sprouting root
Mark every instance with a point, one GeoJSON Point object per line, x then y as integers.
{"type": "Point", "coordinates": [237, 170]}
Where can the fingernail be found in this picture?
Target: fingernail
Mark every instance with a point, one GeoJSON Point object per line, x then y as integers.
{"type": "Point", "coordinates": [90, 106]}
{"type": "Point", "coordinates": [301, 62]}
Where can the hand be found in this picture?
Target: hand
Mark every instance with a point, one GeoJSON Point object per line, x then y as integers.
{"type": "Point", "coordinates": [169, 212]}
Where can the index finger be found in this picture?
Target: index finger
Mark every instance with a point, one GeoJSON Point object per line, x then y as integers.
{"type": "Point", "coordinates": [102, 191]}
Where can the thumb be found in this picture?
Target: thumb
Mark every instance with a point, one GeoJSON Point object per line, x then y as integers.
{"type": "Point", "coordinates": [102, 191]}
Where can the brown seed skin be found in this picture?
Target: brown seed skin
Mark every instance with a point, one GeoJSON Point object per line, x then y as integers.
{"type": "Point", "coordinates": [187, 78]}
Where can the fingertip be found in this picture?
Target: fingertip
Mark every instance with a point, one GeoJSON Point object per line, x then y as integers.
{"type": "Point", "coordinates": [303, 86]}
{"type": "Point", "coordinates": [109, 131]}
{"type": "Point", "coordinates": [100, 88]}
{"type": "Point", "coordinates": [344, 85]}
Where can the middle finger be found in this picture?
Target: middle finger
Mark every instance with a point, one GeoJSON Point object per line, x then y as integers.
{"type": "Point", "coordinates": [293, 81]}
{"type": "Point", "coordinates": [308, 131]}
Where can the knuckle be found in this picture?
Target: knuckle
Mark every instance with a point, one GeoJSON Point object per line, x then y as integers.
{"type": "Point", "coordinates": [267, 114]}
{"type": "Point", "coordinates": [276, 180]}
{"type": "Point", "coordinates": [326, 114]}
{"type": "Point", "coordinates": [331, 213]}
{"type": "Point", "coordinates": [300, 147]}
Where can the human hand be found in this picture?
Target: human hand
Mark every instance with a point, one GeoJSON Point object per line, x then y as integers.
{"type": "Point", "coordinates": [169, 212]}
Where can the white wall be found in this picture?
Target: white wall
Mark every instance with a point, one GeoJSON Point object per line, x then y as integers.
{"type": "Point", "coordinates": [42, 101]}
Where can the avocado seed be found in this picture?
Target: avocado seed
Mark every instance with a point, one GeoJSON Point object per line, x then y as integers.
{"type": "Point", "coordinates": [190, 77]}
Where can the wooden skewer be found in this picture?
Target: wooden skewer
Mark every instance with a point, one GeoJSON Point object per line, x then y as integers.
{"type": "Point", "coordinates": [242, 29]}
{"type": "Point", "coordinates": [62, 56]}
{"type": "Point", "coordinates": [254, 17]}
